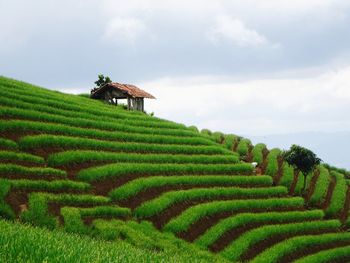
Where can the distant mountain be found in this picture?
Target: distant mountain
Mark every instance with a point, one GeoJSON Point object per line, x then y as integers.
{"type": "Point", "coordinates": [332, 148]}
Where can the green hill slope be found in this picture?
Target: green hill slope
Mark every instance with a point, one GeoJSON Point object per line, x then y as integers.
{"type": "Point", "coordinates": [69, 163]}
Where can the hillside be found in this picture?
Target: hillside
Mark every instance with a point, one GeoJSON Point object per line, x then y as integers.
{"type": "Point", "coordinates": [69, 163]}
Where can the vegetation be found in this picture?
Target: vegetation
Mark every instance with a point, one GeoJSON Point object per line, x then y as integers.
{"type": "Point", "coordinates": [301, 159]}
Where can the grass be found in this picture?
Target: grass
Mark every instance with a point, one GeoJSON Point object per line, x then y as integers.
{"type": "Point", "coordinates": [258, 153]}
{"type": "Point", "coordinates": [238, 247]}
{"type": "Point", "coordinates": [56, 185]}
{"type": "Point", "coordinates": [8, 144]}
{"type": "Point", "coordinates": [243, 219]}
{"type": "Point", "coordinates": [5, 209]}
{"type": "Point", "coordinates": [182, 222]}
{"type": "Point", "coordinates": [24, 243]}
{"type": "Point", "coordinates": [6, 156]}
{"type": "Point", "coordinates": [288, 175]}
{"type": "Point", "coordinates": [243, 146]}
{"type": "Point", "coordinates": [159, 204]}
{"type": "Point", "coordinates": [338, 196]}
{"type": "Point", "coordinates": [230, 141]}
{"type": "Point", "coordinates": [339, 254]}
{"type": "Point", "coordinates": [272, 162]}
{"type": "Point", "coordinates": [68, 158]}
{"type": "Point", "coordinates": [321, 187]}
{"type": "Point", "coordinates": [36, 172]}
{"type": "Point", "coordinates": [122, 169]}
{"type": "Point", "coordinates": [61, 129]}
{"type": "Point", "coordinates": [67, 142]}
{"type": "Point", "coordinates": [142, 184]}
{"type": "Point", "coordinates": [293, 245]}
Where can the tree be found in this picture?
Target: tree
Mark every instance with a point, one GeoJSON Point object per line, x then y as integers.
{"type": "Point", "coordinates": [102, 80]}
{"type": "Point", "coordinates": [302, 159]}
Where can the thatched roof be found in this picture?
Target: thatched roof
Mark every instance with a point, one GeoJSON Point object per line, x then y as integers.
{"type": "Point", "coordinates": [128, 89]}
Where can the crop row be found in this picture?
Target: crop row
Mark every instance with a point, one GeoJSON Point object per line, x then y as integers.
{"type": "Point", "coordinates": [79, 157]}
{"type": "Point", "coordinates": [159, 204]}
{"type": "Point", "coordinates": [272, 162]}
{"type": "Point", "coordinates": [37, 214]}
{"type": "Point", "coordinates": [5, 209]}
{"type": "Point", "coordinates": [339, 195]}
{"type": "Point", "coordinates": [287, 175]}
{"type": "Point", "coordinates": [73, 216]}
{"type": "Point", "coordinates": [122, 169]}
{"type": "Point", "coordinates": [60, 129]}
{"type": "Point", "coordinates": [319, 194]}
{"type": "Point", "coordinates": [243, 146]}
{"type": "Point", "coordinates": [37, 172]}
{"type": "Point", "coordinates": [89, 111]}
{"type": "Point", "coordinates": [142, 184]}
{"type": "Point", "coordinates": [238, 247]}
{"type": "Point", "coordinates": [193, 214]}
{"type": "Point", "coordinates": [6, 156]}
{"type": "Point", "coordinates": [6, 144]}
{"type": "Point", "coordinates": [293, 245]}
{"type": "Point", "coordinates": [257, 153]}
{"type": "Point", "coordinates": [339, 254]}
{"type": "Point", "coordinates": [40, 141]}
{"type": "Point", "coordinates": [243, 219]}
{"type": "Point", "coordinates": [80, 119]}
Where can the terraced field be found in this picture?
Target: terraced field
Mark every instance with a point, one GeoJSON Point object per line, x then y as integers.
{"type": "Point", "coordinates": [78, 165]}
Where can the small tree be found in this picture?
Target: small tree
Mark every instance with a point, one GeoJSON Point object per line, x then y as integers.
{"type": "Point", "coordinates": [102, 80]}
{"type": "Point", "coordinates": [302, 160]}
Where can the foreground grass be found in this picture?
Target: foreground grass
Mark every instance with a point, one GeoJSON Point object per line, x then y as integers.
{"type": "Point", "coordinates": [21, 243]}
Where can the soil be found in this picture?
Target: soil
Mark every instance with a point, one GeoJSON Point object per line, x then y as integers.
{"type": "Point", "coordinates": [264, 163]}
{"type": "Point", "coordinates": [312, 185]}
{"type": "Point", "coordinates": [279, 174]}
{"type": "Point", "coordinates": [345, 213]}
{"type": "Point", "coordinates": [256, 249]}
{"type": "Point", "coordinates": [291, 257]}
{"type": "Point", "coordinates": [295, 181]}
{"type": "Point", "coordinates": [22, 163]}
{"type": "Point", "coordinates": [199, 227]}
{"type": "Point", "coordinates": [329, 194]}
{"type": "Point", "coordinates": [17, 135]}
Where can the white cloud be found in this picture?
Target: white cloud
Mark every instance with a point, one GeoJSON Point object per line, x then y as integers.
{"type": "Point", "coordinates": [125, 29]}
{"type": "Point", "coordinates": [234, 30]}
{"type": "Point", "coordinates": [256, 107]}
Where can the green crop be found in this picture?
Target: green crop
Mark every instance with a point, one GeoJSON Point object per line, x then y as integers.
{"type": "Point", "coordinates": [157, 205]}
{"type": "Point", "coordinates": [194, 213]}
{"type": "Point", "coordinates": [14, 169]}
{"type": "Point", "coordinates": [272, 162]}
{"type": "Point", "coordinates": [238, 247]}
{"type": "Point", "coordinates": [8, 144]}
{"type": "Point", "coordinates": [142, 184]}
{"type": "Point", "coordinates": [5, 210]}
{"type": "Point", "coordinates": [243, 219]}
{"type": "Point", "coordinates": [338, 196]}
{"type": "Point", "coordinates": [122, 169]}
{"type": "Point", "coordinates": [56, 185]}
{"type": "Point", "coordinates": [243, 146]}
{"type": "Point", "coordinates": [22, 157]}
{"type": "Point", "coordinates": [79, 157]}
{"type": "Point", "coordinates": [287, 175]}
{"type": "Point", "coordinates": [293, 245]}
{"type": "Point", "coordinates": [321, 187]}
{"type": "Point", "coordinates": [258, 153]}
{"type": "Point", "coordinates": [340, 254]}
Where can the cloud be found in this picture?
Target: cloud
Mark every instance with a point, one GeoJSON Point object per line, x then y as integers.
{"type": "Point", "coordinates": [125, 29]}
{"type": "Point", "coordinates": [234, 30]}
{"type": "Point", "coordinates": [256, 107]}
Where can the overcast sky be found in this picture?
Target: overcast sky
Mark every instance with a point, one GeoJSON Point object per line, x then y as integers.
{"type": "Point", "coordinates": [247, 67]}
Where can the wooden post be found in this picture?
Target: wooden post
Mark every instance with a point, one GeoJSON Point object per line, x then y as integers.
{"type": "Point", "coordinates": [129, 104]}
{"type": "Point", "coordinates": [142, 105]}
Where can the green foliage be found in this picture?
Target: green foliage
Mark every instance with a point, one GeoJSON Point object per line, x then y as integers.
{"type": "Point", "coordinates": [288, 175]}
{"type": "Point", "coordinates": [22, 157]}
{"type": "Point", "coordinates": [5, 209]}
{"type": "Point", "coordinates": [243, 219]}
{"type": "Point", "coordinates": [56, 185]}
{"type": "Point", "coordinates": [39, 172]}
{"type": "Point", "coordinates": [8, 144]}
{"type": "Point", "coordinates": [272, 162]}
{"type": "Point", "coordinates": [338, 196]}
{"type": "Point", "coordinates": [301, 159]}
{"type": "Point", "coordinates": [122, 169]}
{"type": "Point", "coordinates": [239, 246]}
{"type": "Point", "coordinates": [258, 153]}
{"type": "Point", "coordinates": [243, 146]}
{"type": "Point", "coordinates": [230, 140]}
{"type": "Point", "coordinates": [321, 187]}
{"type": "Point", "coordinates": [194, 213]}
{"type": "Point", "coordinates": [142, 184]}
{"type": "Point", "coordinates": [293, 245]}
{"type": "Point", "coordinates": [60, 129]}
{"type": "Point", "coordinates": [78, 157]}
{"type": "Point", "coordinates": [28, 244]}
{"type": "Point", "coordinates": [159, 204]}
{"type": "Point", "coordinates": [102, 80]}
{"type": "Point", "coordinates": [39, 141]}
{"type": "Point", "coordinates": [340, 254]}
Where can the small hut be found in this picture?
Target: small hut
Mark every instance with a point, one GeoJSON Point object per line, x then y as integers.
{"type": "Point", "coordinates": [113, 91]}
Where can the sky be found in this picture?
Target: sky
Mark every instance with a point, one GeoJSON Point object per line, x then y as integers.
{"type": "Point", "coordinates": [253, 68]}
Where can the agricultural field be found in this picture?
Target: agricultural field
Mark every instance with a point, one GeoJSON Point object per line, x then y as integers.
{"type": "Point", "coordinates": [84, 181]}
